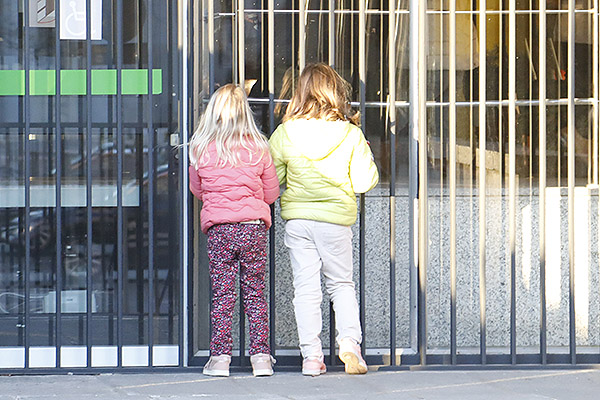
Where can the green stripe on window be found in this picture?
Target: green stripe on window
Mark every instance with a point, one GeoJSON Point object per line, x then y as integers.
{"type": "Point", "coordinates": [104, 81]}
{"type": "Point", "coordinates": [12, 83]}
{"type": "Point", "coordinates": [42, 83]}
{"type": "Point", "coordinates": [74, 82]}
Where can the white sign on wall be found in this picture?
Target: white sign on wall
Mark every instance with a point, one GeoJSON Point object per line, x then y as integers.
{"type": "Point", "coordinates": [41, 13]}
{"type": "Point", "coordinates": [73, 19]}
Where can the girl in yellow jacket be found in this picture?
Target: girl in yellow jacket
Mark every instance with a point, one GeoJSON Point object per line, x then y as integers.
{"type": "Point", "coordinates": [323, 159]}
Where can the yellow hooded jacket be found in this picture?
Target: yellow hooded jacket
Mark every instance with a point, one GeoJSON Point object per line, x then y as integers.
{"type": "Point", "coordinates": [323, 165]}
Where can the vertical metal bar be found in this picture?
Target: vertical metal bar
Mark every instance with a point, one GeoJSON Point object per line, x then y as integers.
{"type": "Point", "coordinates": [501, 67]}
{"type": "Point", "coordinates": [331, 55]}
{"type": "Point", "coordinates": [184, 229]}
{"type": "Point", "coordinates": [151, 179]}
{"type": "Point", "coordinates": [242, 329]}
{"type": "Point", "coordinates": [558, 57]}
{"type": "Point", "coordinates": [423, 260]}
{"type": "Point", "coordinates": [596, 90]}
{"type": "Point", "coordinates": [58, 194]}
{"type": "Point", "coordinates": [241, 14]}
{"type": "Point", "coordinates": [302, 35]}
{"type": "Point", "coordinates": [138, 156]}
{"type": "Point", "coordinates": [532, 76]}
{"type": "Point", "coordinates": [234, 38]}
{"type": "Point", "coordinates": [211, 46]}
{"type": "Point", "coordinates": [413, 169]}
{"type": "Point", "coordinates": [542, 176]}
{"type": "Point", "coordinates": [482, 176]}
{"type": "Point", "coordinates": [512, 125]}
{"type": "Point", "coordinates": [26, 134]}
{"type": "Point", "coordinates": [452, 161]}
{"type": "Point", "coordinates": [119, 111]}
{"type": "Point", "coordinates": [332, 330]}
{"type": "Point", "coordinates": [271, 75]}
{"type": "Point", "coordinates": [571, 178]}
{"type": "Point", "coordinates": [392, 146]}
{"type": "Point", "coordinates": [272, 282]}
{"type": "Point", "coordinates": [241, 18]}
{"type": "Point", "coordinates": [88, 181]}
{"type": "Point", "coordinates": [332, 33]}
{"type": "Point", "coordinates": [362, 76]}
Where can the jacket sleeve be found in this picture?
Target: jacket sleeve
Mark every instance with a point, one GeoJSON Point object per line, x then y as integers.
{"type": "Point", "coordinates": [276, 146]}
{"type": "Point", "coordinates": [270, 181]}
{"type": "Point", "coordinates": [195, 182]}
{"type": "Point", "coordinates": [363, 171]}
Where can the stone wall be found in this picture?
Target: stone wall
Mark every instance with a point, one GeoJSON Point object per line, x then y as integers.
{"type": "Point", "coordinates": [527, 245]}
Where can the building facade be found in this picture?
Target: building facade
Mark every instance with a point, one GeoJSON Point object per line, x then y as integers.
{"type": "Point", "coordinates": [479, 245]}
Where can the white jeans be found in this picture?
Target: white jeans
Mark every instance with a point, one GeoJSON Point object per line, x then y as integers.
{"type": "Point", "coordinates": [317, 247]}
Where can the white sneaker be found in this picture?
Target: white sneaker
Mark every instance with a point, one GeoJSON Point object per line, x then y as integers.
{"type": "Point", "coordinates": [217, 365]}
{"type": "Point", "coordinates": [351, 356]}
{"type": "Point", "coordinates": [313, 366]}
{"type": "Point", "coordinates": [262, 364]}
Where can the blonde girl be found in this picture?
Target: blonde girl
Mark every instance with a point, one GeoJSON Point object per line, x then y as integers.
{"type": "Point", "coordinates": [232, 173]}
{"type": "Point", "coordinates": [322, 157]}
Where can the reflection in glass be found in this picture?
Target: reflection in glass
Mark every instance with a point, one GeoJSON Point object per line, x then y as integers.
{"type": "Point", "coordinates": [89, 163]}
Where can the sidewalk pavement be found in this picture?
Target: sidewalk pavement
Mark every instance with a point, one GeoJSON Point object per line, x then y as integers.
{"type": "Point", "coordinates": [580, 384]}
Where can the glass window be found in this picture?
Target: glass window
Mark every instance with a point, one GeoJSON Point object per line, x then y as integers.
{"type": "Point", "coordinates": [108, 144]}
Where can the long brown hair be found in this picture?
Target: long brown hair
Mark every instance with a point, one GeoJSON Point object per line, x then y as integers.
{"type": "Point", "coordinates": [323, 94]}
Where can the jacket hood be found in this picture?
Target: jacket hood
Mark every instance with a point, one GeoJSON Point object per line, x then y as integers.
{"type": "Point", "coordinates": [316, 138]}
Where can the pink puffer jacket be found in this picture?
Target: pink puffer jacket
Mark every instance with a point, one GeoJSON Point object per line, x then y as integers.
{"type": "Point", "coordinates": [235, 194]}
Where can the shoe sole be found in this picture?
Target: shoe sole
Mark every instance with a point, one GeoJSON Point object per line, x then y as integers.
{"type": "Point", "coordinates": [262, 372]}
{"type": "Point", "coordinates": [215, 373]}
{"type": "Point", "coordinates": [353, 365]}
{"type": "Point", "coordinates": [313, 372]}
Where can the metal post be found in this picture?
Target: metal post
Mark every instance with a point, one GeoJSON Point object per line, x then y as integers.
{"type": "Point", "coordinates": [241, 18]}
{"type": "Point", "coordinates": [26, 135]}
{"type": "Point", "coordinates": [120, 241]}
{"type": "Point", "coordinates": [302, 34]}
{"type": "Point", "coordinates": [571, 178]}
{"type": "Point", "coordinates": [392, 131]}
{"type": "Point", "coordinates": [58, 194]}
{"type": "Point", "coordinates": [452, 161]}
{"type": "Point", "coordinates": [414, 170]}
{"type": "Point", "coordinates": [596, 90]}
{"type": "Point", "coordinates": [542, 175]}
{"type": "Point", "coordinates": [271, 75]}
{"type": "Point", "coordinates": [184, 43]}
{"type": "Point", "coordinates": [331, 54]}
{"type": "Point", "coordinates": [362, 73]}
{"type": "Point", "coordinates": [241, 59]}
{"type": "Point", "coordinates": [88, 183]}
{"type": "Point", "coordinates": [210, 33]}
{"type": "Point", "coordinates": [151, 181]}
{"type": "Point", "coordinates": [423, 261]}
{"type": "Point", "coordinates": [331, 47]}
{"type": "Point", "coordinates": [512, 127]}
{"type": "Point", "coordinates": [482, 178]}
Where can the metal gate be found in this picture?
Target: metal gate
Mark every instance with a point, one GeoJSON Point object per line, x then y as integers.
{"type": "Point", "coordinates": [483, 118]}
{"type": "Point", "coordinates": [91, 218]}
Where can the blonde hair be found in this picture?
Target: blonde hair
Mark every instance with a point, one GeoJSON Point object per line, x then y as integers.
{"type": "Point", "coordinates": [229, 123]}
{"type": "Point", "coordinates": [323, 94]}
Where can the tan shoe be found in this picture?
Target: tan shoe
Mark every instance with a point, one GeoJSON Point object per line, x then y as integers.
{"type": "Point", "coordinates": [262, 364]}
{"type": "Point", "coordinates": [351, 356]}
{"type": "Point", "coordinates": [217, 365]}
{"type": "Point", "coordinates": [313, 366]}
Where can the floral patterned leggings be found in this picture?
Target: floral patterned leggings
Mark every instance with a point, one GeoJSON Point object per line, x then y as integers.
{"type": "Point", "coordinates": [233, 246]}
